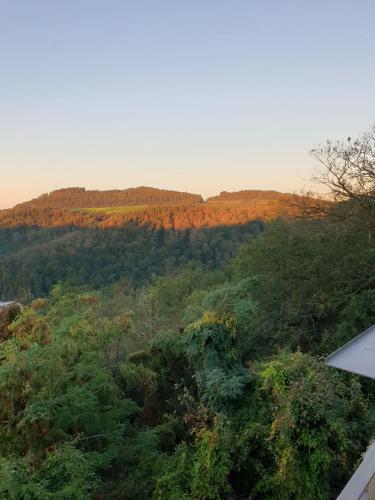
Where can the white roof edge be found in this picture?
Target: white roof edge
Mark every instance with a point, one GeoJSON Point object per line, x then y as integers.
{"type": "Point", "coordinates": [347, 344]}
{"type": "Point", "coordinates": [357, 355]}
{"type": "Point", "coordinates": [361, 478]}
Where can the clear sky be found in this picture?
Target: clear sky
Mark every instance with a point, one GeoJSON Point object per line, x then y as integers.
{"type": "Point", "coordinates": [195, 95]}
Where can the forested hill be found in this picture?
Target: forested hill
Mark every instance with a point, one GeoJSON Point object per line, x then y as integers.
{"type": "Point", "coordinates": [77, 197]}
{"type": "Point", "coordinates": [166, 217]}
{"type": "Point", "coordinates": [252, 194]}
{"type": "Point", "coordinates": [42, 244]}
{"type": "Point", "coordinates": [147, 206]}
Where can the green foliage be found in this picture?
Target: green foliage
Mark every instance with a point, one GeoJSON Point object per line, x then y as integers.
{"type": "Point", "coordinates": [313, 283]}
{"type": "Point", "coordinates": [203, 384]}
{"type": "Point", "coordinates": [290, 436]}
{"type": "Point", "coordinates": [61, 397]}
{"type": "Point", "coordinates": [212, 464]}
{"type": "Point", "coordinates": [82, 416]}
{"type": "Point", "coordinates": [201, 471]}
{"type": "Point", "coordinates": [234, 300]}
{"type": "Point", "coordinates": [220, 377]}
{"type": "Point", "coordinates": [65, 473]}
{"type": "Point", "coordinates": [312, 410]}
{"type": "Point", "coordinates": [160, 306]}
{"type": "Point", "coordinates": [31, 264]}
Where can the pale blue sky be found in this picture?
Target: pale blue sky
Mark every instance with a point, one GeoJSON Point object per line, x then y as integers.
{"type": "Point", "coordinates": [196, 95]}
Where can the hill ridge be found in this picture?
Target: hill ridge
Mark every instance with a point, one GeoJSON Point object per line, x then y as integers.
{"type": "Point", "coordinates": [148, 206]}
{"type": "Point", "coordinates": [80, 197]}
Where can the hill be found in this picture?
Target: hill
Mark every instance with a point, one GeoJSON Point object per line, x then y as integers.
{"type": "Point", "coordinates": [147, 206]}
{"type": "Point", "coordinates": [77, 197]}
{"type": "Point", "coordinates": [167, 217]}
{"type": "Point", "coordinates": [99, 237]}
{"type": "Point", "coordinates": [252, 194]}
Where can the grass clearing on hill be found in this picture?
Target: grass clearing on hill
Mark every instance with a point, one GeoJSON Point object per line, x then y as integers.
{"type": "Point", "coordinates": [110, 210]}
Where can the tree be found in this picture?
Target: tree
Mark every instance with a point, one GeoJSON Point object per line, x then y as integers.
{"type": "Point", "coordinates": [347, 168]}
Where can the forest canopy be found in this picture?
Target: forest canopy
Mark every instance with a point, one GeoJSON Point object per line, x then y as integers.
{"type": "Point", "coordinates": [80, 198]}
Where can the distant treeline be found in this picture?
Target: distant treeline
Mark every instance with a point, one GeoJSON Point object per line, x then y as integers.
{"type": "Point", "coordinates": [251, 194]}
{"type": "Point", "coordinates": [167, 217]}
{"type": "Point", "coordinates": [79, 197]}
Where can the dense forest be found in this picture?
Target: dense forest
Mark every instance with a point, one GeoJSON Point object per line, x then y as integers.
{"type": "Point", "coordinates": [32, 260]}
{"type": "Point", "coordinates": [251, 194]}
{"type": "Point", "coordinates": [166, 217]}
{"type": "Point", "coordinates": [42, 245]}
{"type": "Point", "coordinates": [80, 197]}
{"type": "Point", "coordinates": [200, 380]}
{"type": "Point", "coordinates": [262, 205]}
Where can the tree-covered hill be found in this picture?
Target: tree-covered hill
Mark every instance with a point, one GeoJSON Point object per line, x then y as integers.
{"type": "Point", "coordinates": [166, 217]}
{"type": "Point", "coordinates": [42, 245]}
{"type": "Point", "coordinates": [148, 206]}
{"type": "Point", "coordinates": [252, 194]}
{"type": "Point", "coordinates": [77, 197]}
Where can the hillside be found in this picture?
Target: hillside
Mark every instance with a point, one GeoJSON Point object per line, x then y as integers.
{"type": "Point", "coordinates": [167, 217]}
{"type": "Point", "coordinates": [99, 237]}
{"type": "Point", "coordinates": [32, 260]}
{"type": "Point", "coordinates": [77, 197]}
{"type": "Point", "coordinates": [147, 206]}
{"type": "Point", "coordinates": [42, 244]}
{"type": "Point", "coordinates": [252, 194]}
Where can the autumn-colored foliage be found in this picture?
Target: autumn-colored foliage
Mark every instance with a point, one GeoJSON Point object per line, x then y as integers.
{"type": "Point", "coordinates": [251, 194]}
{"type": "Point", "coordinates": [8, 314]}
{"type": "Point", "coordinates": [80, 197]}
{"type": "Point", "coordinates": [46, 213]}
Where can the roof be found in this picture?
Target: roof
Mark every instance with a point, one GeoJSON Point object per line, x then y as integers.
{"type": "Point", "coordinates": [357, 356]}
{"type": "Point", "coordinates": [356, 487]}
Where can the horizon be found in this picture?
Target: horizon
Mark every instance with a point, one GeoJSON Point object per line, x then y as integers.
{"type": "Point", "coordinates": [196, 98]}
{"type": "Point", "coordinates": [205, 198]}
{"type": "Point", "coordinates": [161, 187]}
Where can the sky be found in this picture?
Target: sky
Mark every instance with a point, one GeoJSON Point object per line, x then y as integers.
{"type": "Point", "coordinates": [192, 95]}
